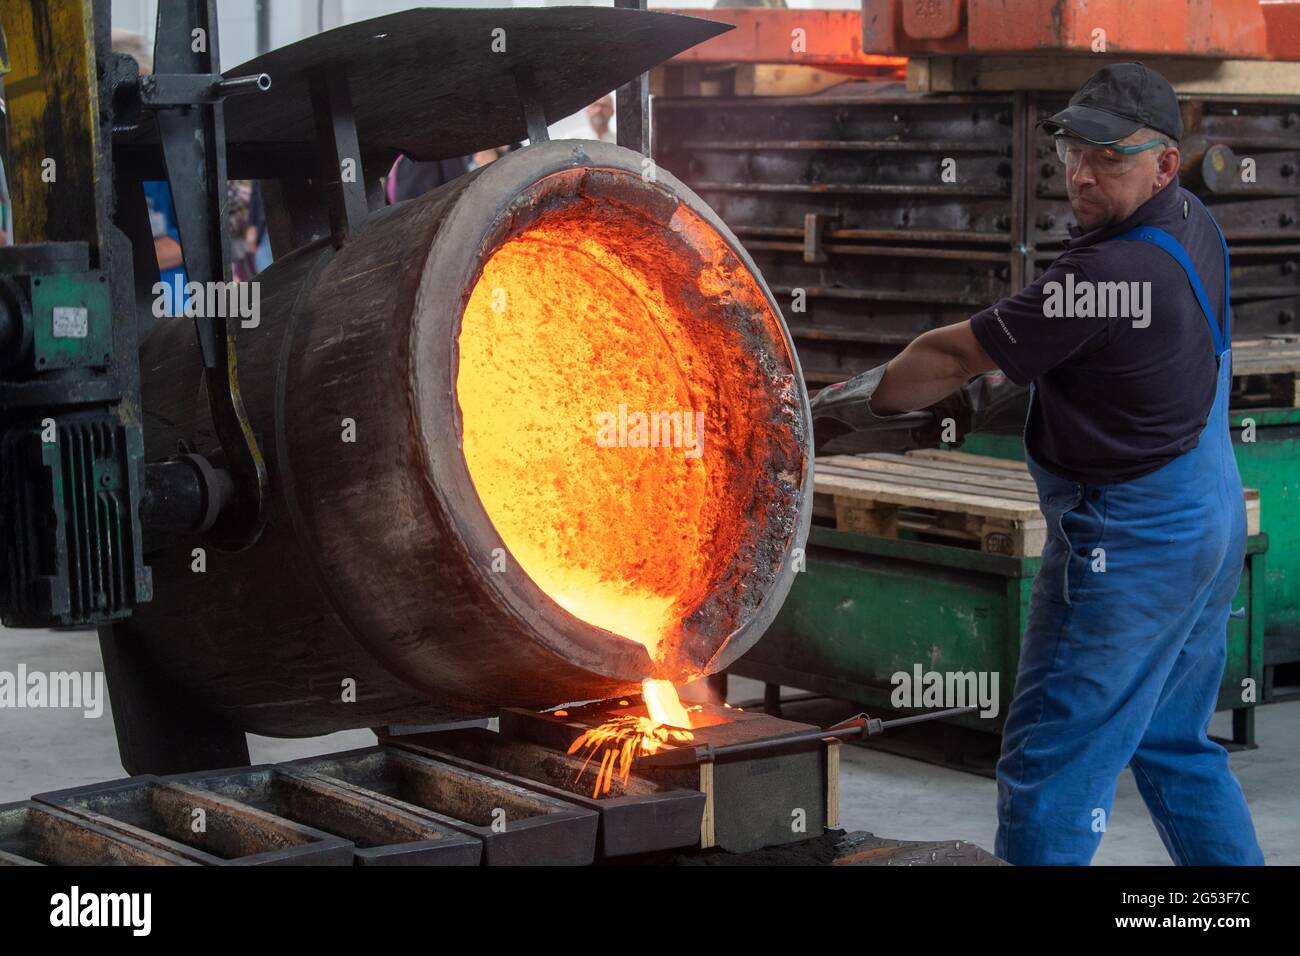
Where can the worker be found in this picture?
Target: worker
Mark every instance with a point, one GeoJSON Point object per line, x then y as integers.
{"type": "Point", "coordinates": [600, 115]}
{"type": "Point", "coordinates": [1128, 443]}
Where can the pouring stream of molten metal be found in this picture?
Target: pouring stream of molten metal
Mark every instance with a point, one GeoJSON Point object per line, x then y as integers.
{"type": "Point", "coordinates": [625, 738]}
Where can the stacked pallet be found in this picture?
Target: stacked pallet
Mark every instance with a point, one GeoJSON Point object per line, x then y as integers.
{"type": "Point", "coordinates": [1266, 372]}
{"type": "Point", "coordinates": [969, 500]}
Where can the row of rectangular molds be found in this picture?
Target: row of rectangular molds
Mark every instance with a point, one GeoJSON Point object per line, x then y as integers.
{"type": "Point", "coordinates": [637, 816]}
{"type": "Point", "coordinates": [760, 799]}
{"type": "Point", "coordinates": [377, 806]}
{"type": "Point", "coordinates": [517, 825]}
{"type": "Point", "coordinates": [383, 834]}
{"type": "Point", "coordinates": [36, 835]}
{"type": "Point", "coordinates": [839, 199]}
{"type": "Point", "coordinates": [166, 815]}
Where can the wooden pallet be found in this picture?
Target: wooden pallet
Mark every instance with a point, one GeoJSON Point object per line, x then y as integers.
{"type": "Point", "coordinates": [973, 500]}
{"type": "Point", "coordinates": [1266, 372]}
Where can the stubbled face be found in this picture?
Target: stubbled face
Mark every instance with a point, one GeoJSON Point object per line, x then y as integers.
{"type": "Point", "coordinates": [1100, 199]}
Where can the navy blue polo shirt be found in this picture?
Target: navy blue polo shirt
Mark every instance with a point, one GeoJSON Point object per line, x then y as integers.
{"type": "Point", "coordinates": [1115, 401]}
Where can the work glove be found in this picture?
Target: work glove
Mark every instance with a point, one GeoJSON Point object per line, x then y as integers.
{"type": "Point", "coordinates": [846, 407]}
{"type": "Point", "coordinates": [988, 402]}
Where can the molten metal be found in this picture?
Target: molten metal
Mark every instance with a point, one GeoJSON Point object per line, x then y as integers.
{"type": "Point", "coordinates": [627, 737]}
{"type": "Point", "coordinates": [584, 375]}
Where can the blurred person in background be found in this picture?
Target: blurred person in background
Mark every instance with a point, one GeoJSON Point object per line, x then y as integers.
{"type": "Point", "coordinates": [599, 115]}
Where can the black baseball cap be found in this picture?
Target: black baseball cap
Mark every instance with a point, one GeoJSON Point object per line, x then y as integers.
{"type": "Point", "coordinates": [1117, 101]}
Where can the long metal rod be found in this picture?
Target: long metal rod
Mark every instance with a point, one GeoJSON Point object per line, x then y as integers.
{"type": "Point", "coordinates": [861, 726]}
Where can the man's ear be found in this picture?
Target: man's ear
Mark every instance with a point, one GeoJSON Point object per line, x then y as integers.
{"type": "Point", "coordinates": [1169, 164]}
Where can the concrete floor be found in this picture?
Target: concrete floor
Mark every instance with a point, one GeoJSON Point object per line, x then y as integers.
{"type": "Point", "coordinates": [891, 796]}
{"type": "Point", "coordinates": [52, 749]}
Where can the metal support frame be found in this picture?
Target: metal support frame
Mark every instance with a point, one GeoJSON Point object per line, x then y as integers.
{"type": "Point", "coordinates": [530, 103]}
{"type": "Point", "coordinates": [344, 184]}
{"type": "Point", "coordinates": [158, 729]}
{"type": "Point", "coordinates": [632, 102]}
{"type": "Point", "coordinates": [194, 152]}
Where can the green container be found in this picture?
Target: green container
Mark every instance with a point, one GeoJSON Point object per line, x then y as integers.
{"type": "Point", "coordinates": [867, 608]}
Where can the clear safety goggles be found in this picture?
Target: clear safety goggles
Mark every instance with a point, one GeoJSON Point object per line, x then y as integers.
{"type": "Point", "coordinates": [1105, 160]}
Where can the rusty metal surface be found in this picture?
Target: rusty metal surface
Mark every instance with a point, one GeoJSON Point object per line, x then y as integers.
{"type": "Point", "coordinates": [517, 825]}
{"type": "Point", "coordinates": [638, 816]}
{"type": "Point", "coordinates": [829, 39]}
{"type": "Point", "coordinates": [439, 83]}
{"type": "Point", "coordinates": [1209, 28]}
{"type": "Point", "coordinates": [167, 816]}
{"type": "Point", "coordinates": [35, 835]}
{"type": "Point", "coordinates": [1282, 24]}
{"type": "Point", "coordinates": [382, 834]}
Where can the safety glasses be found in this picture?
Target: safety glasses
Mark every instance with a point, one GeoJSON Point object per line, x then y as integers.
{"type": "Point", "coordinates": [1105, 160]}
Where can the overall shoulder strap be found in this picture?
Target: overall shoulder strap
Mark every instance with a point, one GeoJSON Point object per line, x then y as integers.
{"type": "Point", "coordinates": [1158, 237]}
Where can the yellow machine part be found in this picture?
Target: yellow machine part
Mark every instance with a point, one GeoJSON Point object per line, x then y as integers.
{"type": "Point", "coordinates": [52, 99]}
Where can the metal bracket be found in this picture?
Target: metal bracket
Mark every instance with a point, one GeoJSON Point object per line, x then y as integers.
{"type": "Point", "coordinates": [340, 154]}
{"type": "Point", "coordinates": [534, 116]}
{"type": "Point", "coordinates": [194, 151]}
{"type": "Point", "coordinates": [813, 224]}
{"type": "Point", "coordinates": [165, 90]}
{"type": "Point", "coordinates": [632, 102]}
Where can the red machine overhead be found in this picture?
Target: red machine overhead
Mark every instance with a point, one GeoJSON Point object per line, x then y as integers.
{"type": "Point", "coordinates": [1231, 29]}
{"type": "Point", "coordinates": [829, 39]}
{"type": "Point", "coordinates": [887, 30]}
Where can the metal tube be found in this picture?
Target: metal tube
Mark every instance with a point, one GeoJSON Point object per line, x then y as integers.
{"type": "Point", "coordinates": [253, 83]}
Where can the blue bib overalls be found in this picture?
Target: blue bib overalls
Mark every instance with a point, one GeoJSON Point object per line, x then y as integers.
{"type": "Point", "coordinates": [1122, 666]}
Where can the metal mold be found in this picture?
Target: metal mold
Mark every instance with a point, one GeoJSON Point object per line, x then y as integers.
{"type": "Point", "coordinates": [785, 793]}
{"type": "Point", "coordinates": [36, 835]}
{"type": "Point", "coordinates": [641, 816]}
{"type": "Point", "coordinates": [163, 815]}
{"type": "Point", "coordinates": [518, 826]}
{"type": "Point", "coordinates": [382, 834]}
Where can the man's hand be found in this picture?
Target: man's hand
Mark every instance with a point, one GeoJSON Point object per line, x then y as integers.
{"type": "Point", "coordinates": [168, 251]}
{"type": "Point", "coordinates": [932, 367]}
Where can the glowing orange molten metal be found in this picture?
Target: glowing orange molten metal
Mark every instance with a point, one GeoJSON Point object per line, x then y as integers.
{"type": "Point", "coordinates": [623, 739]}
{"type": "Point", "coordinates": [580, 322]}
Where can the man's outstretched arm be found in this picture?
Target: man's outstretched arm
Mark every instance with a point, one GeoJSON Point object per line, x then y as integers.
{"type": "Point", "coordinates": [931, 368]}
